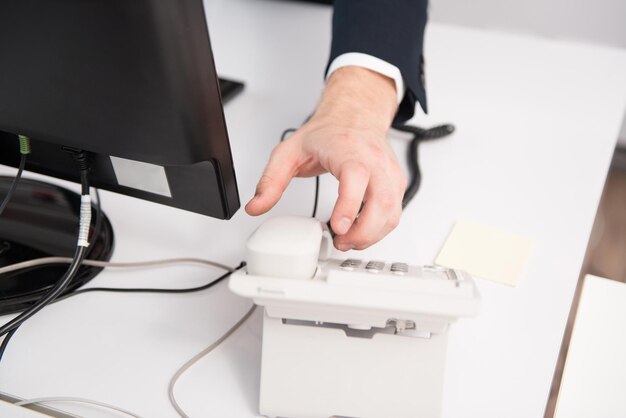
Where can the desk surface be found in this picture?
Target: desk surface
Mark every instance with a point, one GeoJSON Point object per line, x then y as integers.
{"type": "Point", "coordinates": [537, 121]}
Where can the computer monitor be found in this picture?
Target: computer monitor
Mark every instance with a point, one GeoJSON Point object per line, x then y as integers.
{"type": "Point", "coordinates": [131, 83]}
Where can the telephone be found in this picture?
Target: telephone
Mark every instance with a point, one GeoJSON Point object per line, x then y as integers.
{"type": "Point", "coordinates": [348, 337]}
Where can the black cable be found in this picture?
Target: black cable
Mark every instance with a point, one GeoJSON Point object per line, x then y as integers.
{"type": "Point", "coordinates": [419, 135]}
{"type": "Point", "coordinates": [317, 195]}
{"type": "Point", "coordinates": [16, 180]}
{"type": "Point", "coordinates": [283, 136]}
{"type": "Point", "coordinates": [415, 179]}
{"type": "Point", "coordinates": [286, 132]}
{"type": "Point", "coordinates": [24, 150]}
{"type": "Point", "coordinates": [60, 286]}
{"type": "Point", "coordinates": [5, 342]}
{"type": "Point", "coordinates": [152, 290]}
{"type": "Point", "coordinates": [422, 134]}
{"type": "Point", "coordinates": [50, 296]}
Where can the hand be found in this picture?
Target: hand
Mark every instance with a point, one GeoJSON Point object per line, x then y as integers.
{"type": "Point", "coordinates": [347, 136]}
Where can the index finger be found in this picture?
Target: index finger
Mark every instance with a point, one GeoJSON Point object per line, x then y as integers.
{"type": "Point", "coordinates": [353, 181]}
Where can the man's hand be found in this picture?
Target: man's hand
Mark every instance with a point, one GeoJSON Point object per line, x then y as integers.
{"type": "Point", "coordinates": [347, 136]}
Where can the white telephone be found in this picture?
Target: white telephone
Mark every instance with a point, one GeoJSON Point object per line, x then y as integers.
{"type": "Point", "coordinates": [347, 337]}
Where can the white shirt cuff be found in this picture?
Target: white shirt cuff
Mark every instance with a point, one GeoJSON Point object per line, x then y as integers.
{"type": "Point", "coordinates": [371, 63]}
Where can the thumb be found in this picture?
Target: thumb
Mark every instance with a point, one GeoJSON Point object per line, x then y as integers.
{"type": "Point", "coordinates": [280, 169]}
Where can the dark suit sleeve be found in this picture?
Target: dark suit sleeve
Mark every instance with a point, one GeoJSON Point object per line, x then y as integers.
{"type": "Point", "coordinates": [392, 30]}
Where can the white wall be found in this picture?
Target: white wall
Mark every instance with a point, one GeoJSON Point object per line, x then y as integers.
{"type": "Point", "coordinates": [596, 21]}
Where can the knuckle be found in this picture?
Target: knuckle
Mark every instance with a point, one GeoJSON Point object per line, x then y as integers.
{"type": "Point", "coordinates": [357, 168]}
{"type": "Point", "coordinates": [387, 203]}
{"type": "Point", "coordinates": [265, 179]}
{"type": "Point", "coordinates": [278, 150]}
{"type": "Point", "coordinates": [376, 152]}
{"type": "Point", "coordinates": [394, 221]}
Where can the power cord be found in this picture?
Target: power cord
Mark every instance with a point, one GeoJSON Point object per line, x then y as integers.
{"type": "Point", "coordinates": [149, 289]}
{"type": "Point", "coordinates": [5, 342]}
{"type": "Point", "coordinates": [48, 261]}
{"type": "Point", "coordinates": [77, 400]}
{"type": "Point", "coordinates": [9, 329]}
{"type": "Point", "coordinates": [24, 151]}
{"type": "Point", "coordinates": [197, 357]}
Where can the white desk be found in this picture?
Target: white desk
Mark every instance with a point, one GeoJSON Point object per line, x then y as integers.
{"type": "Point", "coordinates": [536, 121]}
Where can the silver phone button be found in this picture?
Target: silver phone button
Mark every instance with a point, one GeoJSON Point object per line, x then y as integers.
{"type": "Point", "coordinates": [350, 264]}
{"type": "Point", "coordinates": [400, 268]}
{"type": "Point", "coordinates": [374, 266]}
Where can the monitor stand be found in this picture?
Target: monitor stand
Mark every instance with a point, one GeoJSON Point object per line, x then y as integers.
{"type": "Point", "coordinates": [41, 220]}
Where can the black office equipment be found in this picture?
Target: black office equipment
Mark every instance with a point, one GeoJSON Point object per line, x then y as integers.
{"type": "Point", "coordinates": [132, 84]}
{"type": "Point", "coordinates": [132, 80]}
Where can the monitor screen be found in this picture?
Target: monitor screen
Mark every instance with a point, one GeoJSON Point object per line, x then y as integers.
{"type": "Point", "coordinates": [132, 83]}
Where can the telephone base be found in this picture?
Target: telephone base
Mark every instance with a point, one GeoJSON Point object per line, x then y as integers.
{"type": "Point", "coordinates": [311, 370]}
{"type": "Point", "coordinates": [348, 338]}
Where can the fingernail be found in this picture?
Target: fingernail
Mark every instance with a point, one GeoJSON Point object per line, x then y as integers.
{"type": "Point", "coordinates": [345, 247]}
{"type": "Point", "coordinates": [343, 226]}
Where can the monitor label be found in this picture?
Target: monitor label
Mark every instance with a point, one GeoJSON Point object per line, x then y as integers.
{"type": "Point", "coordinates": [141, 176]}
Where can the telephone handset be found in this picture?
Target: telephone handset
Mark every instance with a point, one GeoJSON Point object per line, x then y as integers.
{"type": "Point", "coordinates": [288, 247]}
{"type": "Point", "coordinates": [348, 337]}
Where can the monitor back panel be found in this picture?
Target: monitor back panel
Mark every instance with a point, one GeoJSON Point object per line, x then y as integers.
{"type": "Point", "coordinates": [132, 80]}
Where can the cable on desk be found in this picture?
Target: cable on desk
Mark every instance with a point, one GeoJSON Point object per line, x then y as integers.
{"type": "Point", "coordinates": [46, 261]}
{"type": "Point", "coordinates": [197, 357]}
{"type": "Point", "coordinates": [148, 289]}
{"type": "Point", "coordinates": [156, 263]}
{"type": "Point", "coordinates": [9, 329]}
{"type": "Point", "coordinates": [81, 247]}
{"type": "Point", "coordinates": [24, 151]}
{"type": "Point", "coordinates": [76, 400]}
{"type": "Point", "coordinates": [5, 342]}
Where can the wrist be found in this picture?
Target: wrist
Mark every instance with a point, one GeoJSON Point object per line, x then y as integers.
{"type": "Point", "coordinates": [358, 98]}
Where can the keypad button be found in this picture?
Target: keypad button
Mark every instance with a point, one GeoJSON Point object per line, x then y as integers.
{"type": "Point", "coordinates": [374, 266]}
{"type": "Point", "coordinates": [350, 264]}
{"type": "Point", "coordinates": [400, 268]}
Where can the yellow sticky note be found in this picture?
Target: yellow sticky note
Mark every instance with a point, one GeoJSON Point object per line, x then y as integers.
{"type": "Point", "coordinates": [485, 252]}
